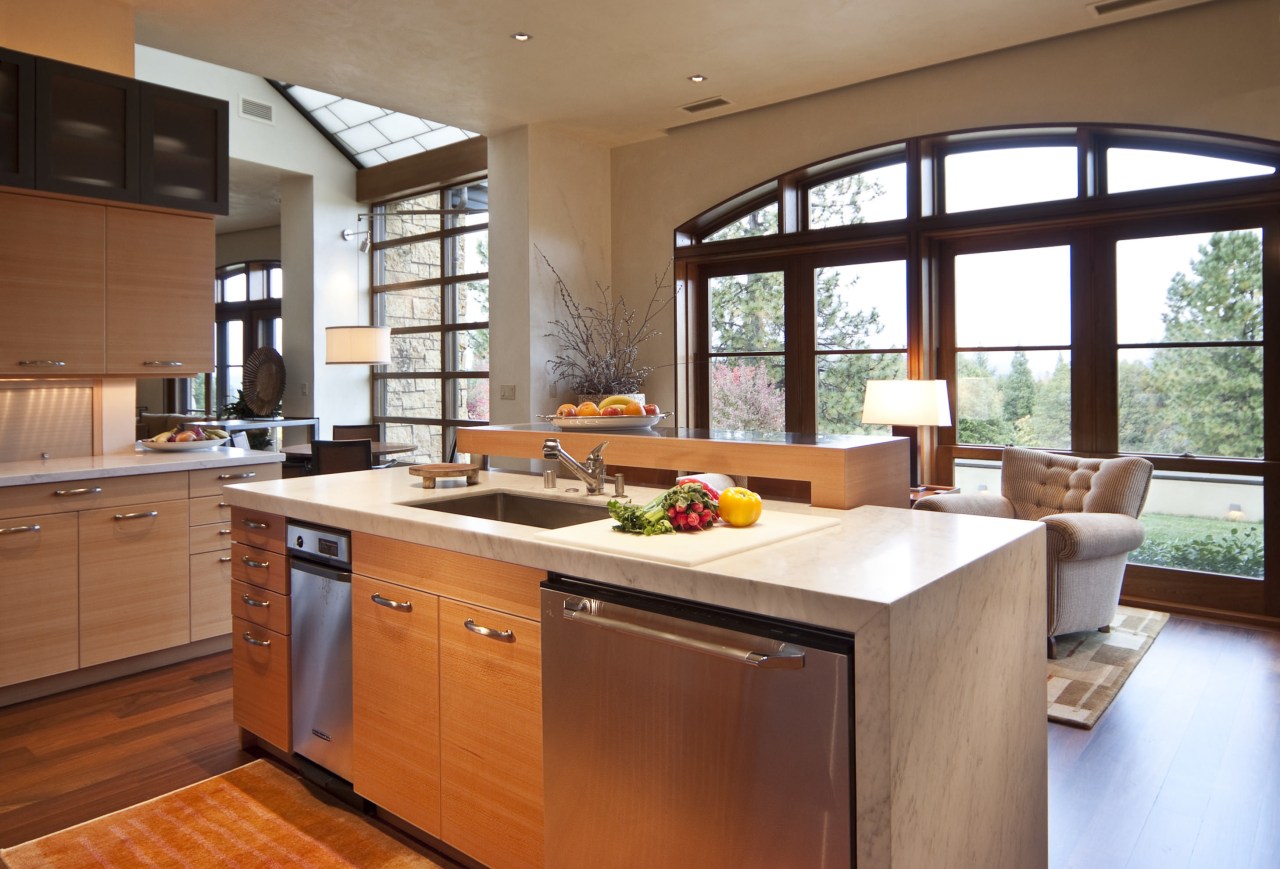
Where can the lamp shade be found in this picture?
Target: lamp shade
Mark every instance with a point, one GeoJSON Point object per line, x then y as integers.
{"type": "Point", "coordinates": [357, 345]}
{"type": "Point", "coordinates": [906, 402]}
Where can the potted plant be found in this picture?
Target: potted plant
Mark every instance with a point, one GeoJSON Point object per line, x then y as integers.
{"type": "Point", "coordinates": [599, 346]}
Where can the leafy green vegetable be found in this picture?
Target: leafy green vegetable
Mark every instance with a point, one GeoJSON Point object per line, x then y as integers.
{"type": "Point", "coordinates": [685, 507]}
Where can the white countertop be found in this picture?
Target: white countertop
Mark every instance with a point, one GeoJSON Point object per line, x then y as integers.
{"type": "Point", "coordinates": [127, 464]}
{"type": "Point", "coordinates": [837, 577]}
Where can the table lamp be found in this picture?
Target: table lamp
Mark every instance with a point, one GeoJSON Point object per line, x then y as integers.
{"type": "Point", "coordinates": [906, 405]}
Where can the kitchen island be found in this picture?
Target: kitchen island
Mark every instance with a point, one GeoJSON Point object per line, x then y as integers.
{"type": "Point", "coordinates": [946, 613]}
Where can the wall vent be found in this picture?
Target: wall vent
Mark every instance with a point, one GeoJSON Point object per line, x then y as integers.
{"type": "Point", "coordinates": [704, 105]}
{"type": "Point", "coordinates": [257, 110]}
{"type": "Point", "coordinates": [1135, 8]}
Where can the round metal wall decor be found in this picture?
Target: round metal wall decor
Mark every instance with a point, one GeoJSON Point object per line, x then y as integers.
{"type": "Point", "coordinates": [263, 381]}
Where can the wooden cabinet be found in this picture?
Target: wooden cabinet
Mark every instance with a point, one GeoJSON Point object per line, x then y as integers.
{"type": "Point", "coordinates": [17, 119]}
{"type": "Point", "coordinates": [86, 132]}
{"type": "Point", "coordinates": [39, 621]}
{"type": "Point", "coordinates": [52, 286]}
{"type": "Point", "coordinates": [159, 293]}
{"type": "Point", "coordinates": [396, 700]}
{"type": "Point", "coordinates": [260, 646]}
{"type": "Point", "coordinates": [485, 652]}
{"type": "Point", "coordinates": [491, 734]}
{"type": "Point", "coordinates": [210, 563]}
{"type": "Point", "coordinates": [183, 154]}
{"type": "Point", "coordinates": [132, 600]}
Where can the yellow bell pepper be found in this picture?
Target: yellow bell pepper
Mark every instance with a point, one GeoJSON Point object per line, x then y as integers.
{"type": "Point", "coordinates": [739, 507]}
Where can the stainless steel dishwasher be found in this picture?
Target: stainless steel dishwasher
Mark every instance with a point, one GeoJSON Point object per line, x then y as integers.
{"type": "Point", "coordinates": [677, 734]}
{"type": "Point", "coordinates": [320, 615]}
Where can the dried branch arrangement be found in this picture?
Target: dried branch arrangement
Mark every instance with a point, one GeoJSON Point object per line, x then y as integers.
{"type": "Point", "coordinates": [599, 345]}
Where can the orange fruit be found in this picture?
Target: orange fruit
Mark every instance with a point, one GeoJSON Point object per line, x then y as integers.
{"type": "Point", "coordinates": [588, 408]}
{"type": "Point", "coordinates": [567, 410]}
{"type": "Point", "coordinates": [633, 408]}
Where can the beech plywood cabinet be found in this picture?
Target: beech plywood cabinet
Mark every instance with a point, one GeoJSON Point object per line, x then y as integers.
{"type": "Point", "coordinates": [261, 657]}
{"type": "Point", "coordinates": [39, 621]}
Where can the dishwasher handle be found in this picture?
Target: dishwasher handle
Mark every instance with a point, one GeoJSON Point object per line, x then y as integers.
{"type": "Point", "coordinates": [787, 657]}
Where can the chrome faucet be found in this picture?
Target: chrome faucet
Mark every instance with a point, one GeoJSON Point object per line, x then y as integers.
{"type": "Point", "coordinates": [591, 472]}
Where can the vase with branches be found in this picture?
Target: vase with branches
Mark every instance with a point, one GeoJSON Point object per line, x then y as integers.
{"type": "Point", "coordinates": [599, 346]}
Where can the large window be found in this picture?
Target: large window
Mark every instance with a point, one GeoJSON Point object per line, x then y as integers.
{"type": "Point", "coordinates": [430, 261]}
{"type": "Point", "coordinates": [1083, 289]}
{"type": "Point", "coordinates": [247, 300]}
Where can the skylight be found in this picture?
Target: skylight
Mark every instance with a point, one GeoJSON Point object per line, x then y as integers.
{"type": "Point", "coordinates": [366, 134]}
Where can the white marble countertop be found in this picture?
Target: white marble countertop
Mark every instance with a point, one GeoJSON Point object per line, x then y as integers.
{"type": "Point", "coordinates": [138, 461]}
{"type": "Point", "coordinates": [838, 577]}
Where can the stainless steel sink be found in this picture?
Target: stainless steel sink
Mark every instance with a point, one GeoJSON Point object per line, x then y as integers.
{"type": "Point", "coordinates": [519, 509]}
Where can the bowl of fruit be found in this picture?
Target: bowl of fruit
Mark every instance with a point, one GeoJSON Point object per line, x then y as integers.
{"type": "Point", "coordinates": [180, 440]}
{"type": "Point", "coordinates": [614, 413]}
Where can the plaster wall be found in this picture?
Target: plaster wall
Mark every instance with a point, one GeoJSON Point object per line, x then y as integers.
{"type": "Point", "coordinates": [92, 33]}
{"type": "Point", "coordinates": [1210, 67]}
{"type": "Point", "coordinates": [247, 245]}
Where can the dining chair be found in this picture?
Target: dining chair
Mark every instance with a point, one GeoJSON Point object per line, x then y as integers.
{"type": "Point", "coordinates": [339, 456]}
{"type": "Point", "coordinates": [372, 431]}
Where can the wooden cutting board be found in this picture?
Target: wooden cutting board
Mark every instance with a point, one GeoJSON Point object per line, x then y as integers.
{"type": "Point", "coordinates": [685, 548]}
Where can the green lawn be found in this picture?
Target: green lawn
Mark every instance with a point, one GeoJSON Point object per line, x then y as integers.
{"type": "Point", "coordinates": [1197, 543]}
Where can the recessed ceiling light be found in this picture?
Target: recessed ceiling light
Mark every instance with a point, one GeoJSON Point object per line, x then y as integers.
{"type": "Point", "coordinates": [697, 79]}
{"type": "Point", "coordinates": [521, 36]}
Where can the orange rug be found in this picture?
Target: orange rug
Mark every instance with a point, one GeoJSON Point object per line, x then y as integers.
{"type": "Point", "coordinates": [254, 816]}
{"type": "Point", "coordinates": [1094, 666]}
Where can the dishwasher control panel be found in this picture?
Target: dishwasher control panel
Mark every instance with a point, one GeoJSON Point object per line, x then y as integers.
{"type": "Point", "coordinates": [317, 543]}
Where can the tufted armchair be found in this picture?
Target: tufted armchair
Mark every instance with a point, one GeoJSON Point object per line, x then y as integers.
{"type": "Point", "coordinates": [1090, 509]}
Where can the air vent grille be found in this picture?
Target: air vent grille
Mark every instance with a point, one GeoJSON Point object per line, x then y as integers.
{"type": "Point", "coordinates": [1105, 8]}
{"type": "Point", "coordinates": [704, 105]}
{"type": "Point", "coordinates": [259, 111]}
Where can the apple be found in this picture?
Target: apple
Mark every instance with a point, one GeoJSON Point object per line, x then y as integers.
{"type": "Point", "coordinates": [567, 410]}
{"type": "Point", "coordinates": [651, 410]}
{"type": "Point", "coordinates": [184, 436]}
{"type": "Point", "coordinates": [611, 410]}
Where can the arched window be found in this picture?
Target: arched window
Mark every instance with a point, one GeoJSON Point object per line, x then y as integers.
{"type": "Point", "coordinates": [1083, 288]}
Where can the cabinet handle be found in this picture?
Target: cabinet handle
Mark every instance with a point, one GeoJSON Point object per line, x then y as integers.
{"type": "Point", "coordinates": [20, 529]}
{"type": "Point", "coordinates": [224, 531]}
{"type": "Point", "coordinates": [92, 490]}
{"type": "Point", "coordinates": [254, 524]}
{"type": "Point", "coordinates": [247, 475]}
{"type": "Point", "coordinates": [223, 504]}
{"type": "Point", "coordinates": [500, 636]}
{"type": "Point", "coordinates": [254, 641]}
{"type": "Point", "coordinates": [42, 363]}
{"type": "Point", "coordinates": [251, 563]}
{"type": "Point", "coordinates": [224, 559]}
{"type": "Point", "coordinates": [254, 602]}
{"type": "Point", "coordinates": [146, 514]}
{"type": "Point", "coordinates": [162, 363]}
{"type": "Point", "coordinates": [407, 606]}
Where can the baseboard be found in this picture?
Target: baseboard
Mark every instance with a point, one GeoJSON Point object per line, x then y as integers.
{"type": "Point", "coordinates": [1203, 612]}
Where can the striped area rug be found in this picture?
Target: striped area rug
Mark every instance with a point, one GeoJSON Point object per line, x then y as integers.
{"type": "Point", "coordinates": [256, 815]}
{"type": "Point", "coordinates": [1094, 666]}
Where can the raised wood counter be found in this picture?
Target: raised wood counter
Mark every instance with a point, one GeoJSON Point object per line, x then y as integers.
{"type": "Point", "coordinates": [843, 471]}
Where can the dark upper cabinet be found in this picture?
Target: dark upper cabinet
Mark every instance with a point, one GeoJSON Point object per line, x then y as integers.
{"type": "Point", "coordinates": [86, 132]}
{"type": "Point", "coordinates": [183, 147]}
{"type": "Point", "coordinates": [17, 119]}
{"type": "Point", "coordinates": [71, 129]}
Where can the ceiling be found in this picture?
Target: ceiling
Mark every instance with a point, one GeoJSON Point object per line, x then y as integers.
{"type": "Point", "coordinates": [610, 71]}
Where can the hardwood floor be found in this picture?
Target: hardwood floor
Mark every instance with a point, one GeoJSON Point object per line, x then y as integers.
{"type": "Point", "coordinates": [1182, 771]}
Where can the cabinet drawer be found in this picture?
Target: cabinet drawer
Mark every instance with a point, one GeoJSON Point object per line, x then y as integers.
{"type": "Point", "coordinates": [261, 701]}
{"type": "Point", "coordinates": [209, 538]}
{"type": "Point", "coordinates": [210, 593]}
{"type": "Point", "coordinates": [258, 529]}
{"type": "Point", "coordinates": [39, 620]}
{"type": "Point", "coordinates": [260, 607]}
{"type": "Point", "coordinates": [91, 494]}
{"type": "Point", "coordinates": [210, 510]}
{"type": "Point", "coordinates": [268, 570]}
{"type": "Point", "coordinates": [209, 481]}
{"type": "Point", "coordinates": [497, 584]}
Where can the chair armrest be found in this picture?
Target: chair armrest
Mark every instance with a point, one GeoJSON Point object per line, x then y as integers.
{"type": "Point", "coordinates": [969, 504]}
{"type": "Point", "coordinates": [1083, 536]}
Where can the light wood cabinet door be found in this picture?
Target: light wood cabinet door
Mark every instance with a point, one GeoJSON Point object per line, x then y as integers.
{"type": "Point", "coordinates": [394, 654]}
{"type": "Point", "coordinates": [39, 619]}
{"type": "Point", "coordinates": [261, 700]}
{"type": "Point", "coordinates": [210, 594]}
{"type": "Point", "coordinates": [134, 587]}
{"type": "Point", "coordinates": [491, 735]}
{"type": "Point", "coordinates": [159, 293]}
{"type": "Point", "coordinates": [52, 280]}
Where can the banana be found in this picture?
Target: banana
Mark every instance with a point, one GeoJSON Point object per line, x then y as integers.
{"type": "Point", "coordinates": [615, 399]}
{"type": "Point", "coordinates": [214, 434]}
{"type": "Point", "coordinates": [164, 437]}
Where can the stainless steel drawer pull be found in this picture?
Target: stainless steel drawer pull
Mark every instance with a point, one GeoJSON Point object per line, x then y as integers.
{"type": "Point", "coordinates": [163, 363]}
{"type": "Point", "coordinates": [42, 363]}
{"type": "Point", "coordinates": [224, 559]}
{"type": "Point", "coordinates": [224, 531]}
{"type": "Point", "coordinates": [500, 636]}
{"type": "Point", "coordinates": [251, 563]}
{"type": "Point", "coordinates": [254, 641]}
{"type": "Point", "coordinates": [146, 514]}
{"type": "Point", "coordinates": [92, 490]}
{"type": "Point", "coordinates": [785, 658]}
{"type": "Point", "coordinates": [253, 523]}
{"type": "Point", "coordinates": [20, 529]}
{"type": "Point", "coordinates": [254, 602]}
{"type": "Point", "coordinates": [246, 475]}
{"type": "Point", "coordinates": [222, 504]}
{"type": "Point", "coordinates": [407, 606]}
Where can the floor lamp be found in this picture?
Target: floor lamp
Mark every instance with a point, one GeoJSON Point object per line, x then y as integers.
{"type": "Point", "coordinates": [906, 405]}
